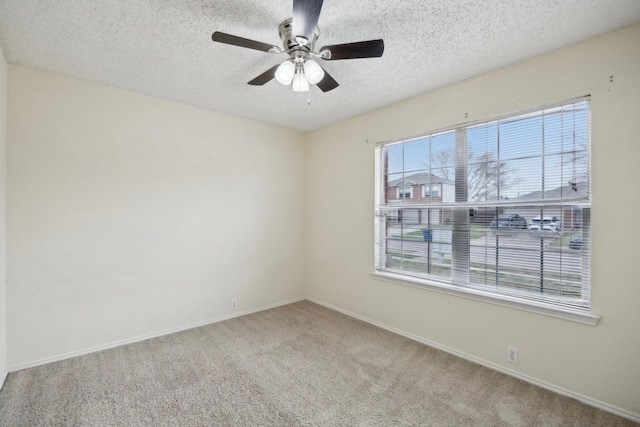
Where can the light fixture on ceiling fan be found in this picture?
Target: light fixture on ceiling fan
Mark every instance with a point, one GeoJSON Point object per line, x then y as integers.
{"type": "Point", "coordinates": [300, 73]}
{"type": "Point", "coordinates": [299, 35]}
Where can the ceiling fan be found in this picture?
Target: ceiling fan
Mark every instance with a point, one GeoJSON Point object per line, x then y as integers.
{"type": "Point", "coordinates": [299, 35]}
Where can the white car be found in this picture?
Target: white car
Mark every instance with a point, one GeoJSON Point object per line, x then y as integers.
{"type": "Point", "coordinates": [548, 223]}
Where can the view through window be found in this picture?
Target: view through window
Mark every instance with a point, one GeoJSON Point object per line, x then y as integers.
{"type": "Point", "coordinates": [500, 207]}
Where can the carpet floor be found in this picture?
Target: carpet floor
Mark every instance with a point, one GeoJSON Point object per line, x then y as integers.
{"type": "Point", "coordinates": [296, 365]}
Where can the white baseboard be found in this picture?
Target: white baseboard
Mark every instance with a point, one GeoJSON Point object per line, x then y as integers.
{"type": "Point", "coordinates": [582, 398]}
{"type": "Point", "coordinates": [95, 349]}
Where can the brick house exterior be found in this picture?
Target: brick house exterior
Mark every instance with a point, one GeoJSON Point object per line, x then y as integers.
{"type": "Point", "coordinates": [420, 188]}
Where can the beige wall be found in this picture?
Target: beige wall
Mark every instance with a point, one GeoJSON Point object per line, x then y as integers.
{"type": "Point", "coordinates": [3, 217]}
{"type": "Point", "coordinates": [599, 363]}
{"type": "Point", "coordinates": [128, 215]}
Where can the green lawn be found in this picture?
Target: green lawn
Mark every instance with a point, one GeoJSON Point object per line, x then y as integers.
{"type": "Point", "coordinates": [404, 264]}
{"type": "Point", "coordinates": [405, 256]}
{"type": "Point", "coordinates": [476, 231]}
{"type": "Point", "coordinates": [562, 242]}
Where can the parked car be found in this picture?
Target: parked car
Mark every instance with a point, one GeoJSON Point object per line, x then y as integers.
{"type": "Point", "coordinates": [509, 221]}
{"type": "Point", "coordinates": [548, 223]}
{"type": "Point", "coordinates": [575, 242]}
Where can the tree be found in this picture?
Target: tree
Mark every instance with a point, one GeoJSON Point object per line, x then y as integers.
{"type": "Point", "coordinates": [578, 161]}
{"type": "Point", "coordinates": [444, 160]}
{"type": "Point", "coordinates": [486, 177]}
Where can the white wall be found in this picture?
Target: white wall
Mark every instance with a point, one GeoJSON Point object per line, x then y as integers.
{"type": "Point", "coordinates": [3, 217]}
{"type": "Point", "coordinates": [600, 363]}
{"type": "Point", "coordinates": [130, 215]}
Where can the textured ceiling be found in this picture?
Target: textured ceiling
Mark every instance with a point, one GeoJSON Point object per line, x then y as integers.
{"type": "Point", "coordinates": [164, 48]}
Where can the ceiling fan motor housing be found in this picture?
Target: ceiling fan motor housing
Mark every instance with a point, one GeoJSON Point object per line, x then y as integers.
{"type": "Point", "coordinates": [289, 41]}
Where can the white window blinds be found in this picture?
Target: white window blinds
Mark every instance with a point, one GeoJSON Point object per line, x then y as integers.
{"type": "Point", "coordinates": [511, 213]}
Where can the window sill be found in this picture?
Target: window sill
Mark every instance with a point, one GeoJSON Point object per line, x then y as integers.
{"type": "Point", "coordinates": [505, 301]}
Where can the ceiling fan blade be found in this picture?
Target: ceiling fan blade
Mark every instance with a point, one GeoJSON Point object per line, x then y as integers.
{"type": "Point", "coordinates": [305, 18]}
{"type": "Point", "coordinates": [366, 49]}
{"type": "Point", "coordinates": [265, 77]}
{"type": "Point", "coordinates": [240, 41]}
{"type": "Point", "coordinates": [327, 83]}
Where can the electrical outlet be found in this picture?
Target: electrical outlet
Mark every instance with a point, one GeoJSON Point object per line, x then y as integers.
{"type": "Point", "coordinates": [512, 354]}
{"type": "Point", "coordinates": [234, 304]}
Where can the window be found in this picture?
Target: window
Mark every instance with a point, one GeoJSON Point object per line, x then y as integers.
{"type": "Point", "coordinates": [404, 192]}
{"type": "Point", "coordinates": [432, 190]}
{"type": "Point", "coordinates": [516, 225]}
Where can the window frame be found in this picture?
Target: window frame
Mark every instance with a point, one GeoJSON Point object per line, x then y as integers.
{"type": "Point", "coordinates": [580, 315]}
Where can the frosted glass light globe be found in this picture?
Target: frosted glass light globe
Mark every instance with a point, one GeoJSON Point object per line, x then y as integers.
{"type": "Point", "coordinates": [300, 83]}
{"type": "Point", "coordinates": [284, 73]}
{"type": "Point", "coordinates": [313, 71]}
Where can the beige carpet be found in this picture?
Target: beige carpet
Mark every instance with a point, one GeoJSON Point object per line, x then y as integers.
{"type": "Point", "coordinates": [296, 365]}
